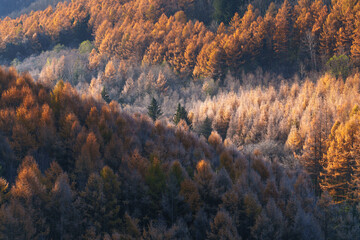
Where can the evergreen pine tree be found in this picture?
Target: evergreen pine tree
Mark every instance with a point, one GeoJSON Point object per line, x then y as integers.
{"type": "Point", "coordinates": [105, 95]}
{"type": "Point", "coordinates": [177, 115]}
{"type": "Point", "coordinates": [205, 128]}
{"type": "Point", "coordinates": [154, 110]}
{"type": "Point", "coordinates": [181, 113]}
{"type": "Point", "coordinates": [224, 10]}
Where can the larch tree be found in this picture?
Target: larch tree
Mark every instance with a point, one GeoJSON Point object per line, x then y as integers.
{"type": "Point", "coordinates": [203, 176]}
{"type": "Point", "coordinates": [155, 178]}
{"type": "Point", "coordinates": [89, 159]}
{"type": "Point", "coordinates": [61, 211]}
{"type": "Point", "coordinates": [327, 36]}
{"type": "Point", "coordinates": [315, 148]}
{"type": "Point", "coordinates": [221, 121]}
{"type": "Point", "coordinates": [190, 193]}
{"type": "Point", "coordinates": [92, 203]}
{"type": "Point", "coordinates": [355, 48]}
{"type": "Point", "coordinates": [112, 194]}
{"type": "Point", "coordinates": [31, 194]}
{"type": "Point", "coordinates": [294, 141]}
{"type": "Point", "coordinates": [303, 19]}
{"type": "Point", "coordinates": [341, 159]}
{"type": "Point", "coordinates": [346, 13]}
{"type": "Point", "coordinates": [223, 227]}
{"type": "Point", "coordinates": [320, 12]}
{"type": "Point", "coordinates": [355, 180]}
{"type": "Point", "coordinates": [282, 29]}
{"type": "Point", "coordinates": [4, 188]}
{"type": "Point", "coordinates": [210, 61]}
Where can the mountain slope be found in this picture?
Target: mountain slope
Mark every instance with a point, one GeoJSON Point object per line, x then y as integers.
{"type": "Point", "coordinates": [105, 172]}
{"type": "Point", "coordinates": [286, 38]}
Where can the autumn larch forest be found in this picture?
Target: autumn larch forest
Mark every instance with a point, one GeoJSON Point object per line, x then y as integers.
{"type": "Point", "coordinates": [180, 119]}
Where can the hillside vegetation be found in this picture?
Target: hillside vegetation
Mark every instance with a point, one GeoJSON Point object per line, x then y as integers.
{"type": "Point", "coordinates": [180, 119]}
{"type": "Point", "coordinates": [88, 170]}
{"type": "Point", "coordinates": [292, 37]}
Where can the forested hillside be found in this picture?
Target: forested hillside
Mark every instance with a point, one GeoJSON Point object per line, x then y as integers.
{"type": "Point", "coordinates": [78, 168]}
{"type": "Point", "coordinates": [180, 119]}
{"type": "Point", "coordinates": [307, 34]}
{"type": "Point", "coordinates": [285, 39]}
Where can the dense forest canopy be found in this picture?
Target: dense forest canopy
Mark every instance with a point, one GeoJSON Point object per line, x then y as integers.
{"type": "Point", "coordinates": [288, 37]}
{"type": "Point", "coordinates": [106, 173]}
{"type": "Point", "coordinates": [180, 119]}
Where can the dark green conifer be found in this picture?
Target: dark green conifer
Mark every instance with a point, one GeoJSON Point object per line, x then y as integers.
{"type": "Point", "coordinates": [181, 113]}
{"type": "Point", "coordinates": [105, 95]}
{"type": "Point", "coordinates": [206, 128]}
{"type": "Point", "coordinates": [154, 110]}
{"type": "Point", "coordinates": [224, 10]}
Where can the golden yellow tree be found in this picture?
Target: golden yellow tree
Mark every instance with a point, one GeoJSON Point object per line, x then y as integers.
{"type": "Point", "coordinates": [355, 48]}
{"type": "Point", "coordinates": [303, 19]}
{"type": "Point", "coordinates": [294, 141]}
{"type": "Point", "coordinates": [282, 28]}
{"type": "Point", "coordinates": [341, 159]}
{"type": "Point", "coordinates": [327, 36]}
{"type": "Point", "coordinates": [320, 12]}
